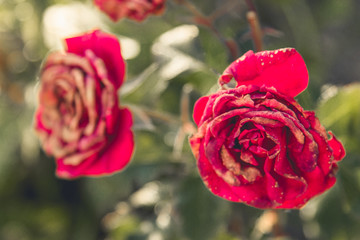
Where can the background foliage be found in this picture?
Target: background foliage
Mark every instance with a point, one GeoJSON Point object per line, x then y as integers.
{"type": "Point", "coordinates": [171, 62]}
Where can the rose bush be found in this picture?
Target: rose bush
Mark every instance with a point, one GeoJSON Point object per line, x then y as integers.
{"type": "Point", "coordinates": [255, 144]}
{"type": "Point", "coordinates": [78, 119]}
{"type": "Point", "coordinates": [134, 9]}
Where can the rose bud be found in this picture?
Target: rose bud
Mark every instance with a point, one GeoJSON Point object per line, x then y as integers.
{"type": "Point", "coordinates": [78, 119]}
{"type": "Point", "coordinates": [255, 144]}
{"type": "Point", "coordinates": [133, 9]}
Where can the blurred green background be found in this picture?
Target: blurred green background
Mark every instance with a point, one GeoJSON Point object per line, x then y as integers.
{"type": "Point", "coordinates": [172, 61]}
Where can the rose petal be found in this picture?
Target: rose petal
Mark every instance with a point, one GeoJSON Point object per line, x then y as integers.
{"type": "Point", "coordinates": [106, 47]}
{"type": "Point", "coordinates": [317, 183]}
{"type": "Point", "coordinates": [229, 161]}
{"type": "Point", "coordinates": [251, 194]}
{"type": "Point", "coordinates": [227, 102]}
{"type": "Point", "coordinates": [199, 109]}
{"type": "Point", "coordinates": [283, 69]}
{"type": "Point", "coordinates": [114, 157]}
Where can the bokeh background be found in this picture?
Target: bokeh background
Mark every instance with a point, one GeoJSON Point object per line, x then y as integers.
{"type": "Point", "coordinates": [172, 60]}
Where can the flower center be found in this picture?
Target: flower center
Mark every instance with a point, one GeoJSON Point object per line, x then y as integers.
{"type": "Point", "coordinates": [245, 156]}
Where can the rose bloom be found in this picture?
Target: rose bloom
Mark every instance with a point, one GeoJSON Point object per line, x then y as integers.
{"type": "Point", "coordinates": [78, 119]}
{"type": "Point", "coordinates": [255, 144]}
{"type": "Point", "coordinates": [134, 9]}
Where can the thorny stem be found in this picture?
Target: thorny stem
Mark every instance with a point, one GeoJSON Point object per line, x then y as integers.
{"type": "Point", "coordinates": [208, 21]}
{"type": "Point", "coordinates": [256, 31]}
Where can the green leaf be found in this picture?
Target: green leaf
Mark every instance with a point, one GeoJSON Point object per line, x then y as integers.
{"type": "Point", "coordinates": [341, 114]}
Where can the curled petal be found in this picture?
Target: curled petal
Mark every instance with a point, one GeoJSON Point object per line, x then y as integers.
{"type": "Point", "coordinates": [337, 147]}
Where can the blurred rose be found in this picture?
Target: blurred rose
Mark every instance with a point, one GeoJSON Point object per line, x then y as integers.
{"type": "Point", "coordinates": [78, 119]}
{"type": "Point", "coordinates": [133, 9]}
{"type": "Point", "coordinates": [255, 144]}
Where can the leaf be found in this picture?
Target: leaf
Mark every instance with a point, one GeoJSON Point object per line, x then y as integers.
{"type": "Point", "coordinates": [340, 113]}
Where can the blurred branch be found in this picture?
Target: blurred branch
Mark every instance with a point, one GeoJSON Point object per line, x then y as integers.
{"type": "Point", "coordinates": [165, 117]}
{"type": "Point", "coordinates": [208, 21]}
{"type": "Point", "coordinates": [256, 31]}
{"type": "Point", "coordinates": [184, 104]}
{"type": "Point", "coordinates": [131, 85]}
{"type": "Point", "coordinates": [268, 222]}
{"type": "Point", "coordinates": [187, 127]}
{"type": "Point", "coordinates": [253, 20]}
{"type": "Point", "coordinates": [223, 9]}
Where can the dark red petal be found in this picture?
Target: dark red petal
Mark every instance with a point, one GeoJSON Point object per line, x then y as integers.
{"type": "Point", "coordinates": [114, 158]}
{"type": "Point", "coordinates": [106, 47]}
{"type": "Point", "coordinates": [283, 69]}
{"type": "Point", "coordinates": [337, 147]}
{"type": "Point", "coordinates": [199, 109]}
{"type": "Point", "coordinates": [274, 191]}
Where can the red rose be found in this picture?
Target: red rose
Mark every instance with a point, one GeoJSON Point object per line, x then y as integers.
{"type": "Point", "coordinates": [78, 119]}
{"type": "Point", "coordinates": [255, 144]}
{"type": "Point", "coordinates": [133, 9]}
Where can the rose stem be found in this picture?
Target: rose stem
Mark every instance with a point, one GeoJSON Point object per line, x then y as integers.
{"type": "Point", "coordinates": [208, 21]}
{"type": "Point", "coordinates": [187, 127]}
{"type": "Point", "coordinates": [277, 229]}
{"type": "Point", "coordinates": [268, 222]}
{"type": "Point", "coordinates": [256, 31]}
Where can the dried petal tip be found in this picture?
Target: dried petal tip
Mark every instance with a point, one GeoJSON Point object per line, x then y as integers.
{"type": "Point", "coordinates": [337, 147]}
